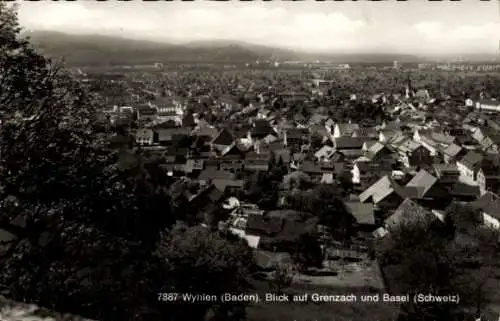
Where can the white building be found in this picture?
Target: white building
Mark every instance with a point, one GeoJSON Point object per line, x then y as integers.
{"type": "Point", "coordinates": [144, 137]}
{"type": "Point", "coordinates": [488, 105]}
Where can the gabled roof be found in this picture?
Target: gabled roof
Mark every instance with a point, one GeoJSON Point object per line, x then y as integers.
{"type": "Point", "coordinates": [347, 128]}
{"type": "Point", "coordinates": [262, 128]}
{"type": "Point", "coordinates": [324, 151]}
{"type": "Point", "coordinates": [310, 167]}
{"type": "Point", "coordinates": [446, 169]}
{"type": "Point", "coordinates": [212, 173]}
{"type": "Point", "coordinates": [409, 146]}
{"type": "Point", "coordinates": [205, 130]}
{"type": "Point", "coordinates": [421, 183]}
{"type": "Point", "coordinates": [362, 212]}
{"type": "Point", "coordinates": [265, 225]}
{"type": "Point", "coordinates": [223, 138]}
{"type": "Point", "coordinates": [380, 190]}
{"type": "Point", "coordinates": [349, 142]}
{"type": "Point", "coordinates": [488, 203]}
{"type": "Point", "coordinates": [441, 138]}
{"type": "Point", "coordinates": [472, 159]}
{"type": "Point", "coordinates": [462, 189]}
{"type": "Point", "coordinates": [222, 183]}
{"type": "Point", "coordinates": [396, 139]}
{"type": "Point", "coordinates": [232, 149]}
{"type": "Point", "coordinates": [375, 148]}
{"type": "Point", "coordinates": [452, 150]}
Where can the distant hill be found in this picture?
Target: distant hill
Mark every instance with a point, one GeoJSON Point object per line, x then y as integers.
{"type": "Point", "coordinates": [105, 50]}
{"type": "Point", "coordinates": [95, 50]}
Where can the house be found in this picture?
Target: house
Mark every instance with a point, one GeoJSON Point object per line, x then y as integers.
{"type": "Point", "coordinates": [231, 186]}
{"type": "Point", "coordinates": [166, 136]}
{"type": "Point", "coordinates": [318, 134]}
{"type": "Point", "coordinates": [420, 184]}
{"type": "Point", "coordinates": [489, 205]}
{"type": "Point", "coordinates": [281, 155]}
{"type": "Point", "coordinates": [451, 153]}
{"type": "Point", "coordinates": [468, 167]}
{"type": "Point", "coordinates": [351, 147]}
{"type": "Point", "coordinates": [488, 175]}
{"type": "Point", "coordinates": [491, 144]}
{"type": "Point", "coordinates": [205, 201]}
{"type": "Point", "coordinates": [410, 213]}
{"type": "Point", "coordinates": [363, 214]}
{"type": "Point", "coordinates": [366, 173]}
{"type": "Point", "coordinates": [232, 152]}
{"type": "Point", "coordinates": [194, 166]}
{"type": "Point", "coordinates": [488, 105]}
{"type": "Point", "coordinates": [425, 188]}
{"type": "Point", "coordinates": [344, 130]}
{"type": "Point", "coordinates": [295, 137]}
{"type": "Point", "coordinates": [479, 134]}
{"type": "Point", "coordinates": [385, 194]}
{"type": "Point", "coordinates": [379, 152]}
{"type": "Point", "coordinates": [263, 225]}
{"type": "Point", "coordinates": [412, 154]}
{"type": "Point", "coordinates": [211, 173]}
{"type": "Point", "coordinates": [366, 132]}
{"type": "Point", "coordinates": [256, 162]}
{"type": "Point", "coordinates": [223, 140]}
{"type": "Point", "coordinates": [260, 129]}
{"type": "Point", "coordinates": [205, 131]}
{"type": "Point", "coordinates": [170, 117]}
{"type": "Point", "coordinates": [144, 137]}
{"type": "Point", "coordinates": [146, 114]}
{"type": "Point", "coordinates": [188, 121]}
{"type": "Point", "coordinates": [464, 192]}
{"type": "Point", "coordinates": [447, 174]}
{"type": "Point", "coordinates": [313, 169]}
{"type": "Point", "coordinates": [433, 141]}
{"type": "Point", "coordinates": [324, 153]}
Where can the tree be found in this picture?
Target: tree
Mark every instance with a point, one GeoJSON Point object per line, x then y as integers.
{"type": "Point", "coordinates": [281, 278]}
{"type": "Point", "coordinates": [308, 252]}
{"type": "Point", "coordinates": [296, 180]}
{"type": "Point", "coordinates": [201, 262]}
{"type": "Point", "coordinates": [85, 220]}
{"type": "Point", "coordinates": [326, 202]}
{"type": "Point", "coordinates": [429, 261]}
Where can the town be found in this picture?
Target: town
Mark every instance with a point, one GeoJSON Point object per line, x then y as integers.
{"type": "Point", "coordinates": [244, 162]}
{"type": "Point", "coordinates": [275, 154]}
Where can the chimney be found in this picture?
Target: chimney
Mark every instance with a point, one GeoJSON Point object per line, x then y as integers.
{"type": "Point", "coordinates": [285, 141]}
{"type": "Point", "coordinates": [257, 147]}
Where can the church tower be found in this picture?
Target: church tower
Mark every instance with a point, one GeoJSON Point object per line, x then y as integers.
{"type": "Point", "coordinates": [409, 88]}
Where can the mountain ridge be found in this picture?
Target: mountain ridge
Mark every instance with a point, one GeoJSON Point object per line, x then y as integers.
{"type": "Point", "coordinates": [91, 49]}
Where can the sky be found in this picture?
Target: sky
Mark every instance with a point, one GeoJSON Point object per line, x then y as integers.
{"type": "Point", "coordinates": [413, 27]}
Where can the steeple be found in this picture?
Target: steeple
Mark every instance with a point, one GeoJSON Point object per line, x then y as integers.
{"type": "Point", "coordinates": [409, 88]}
